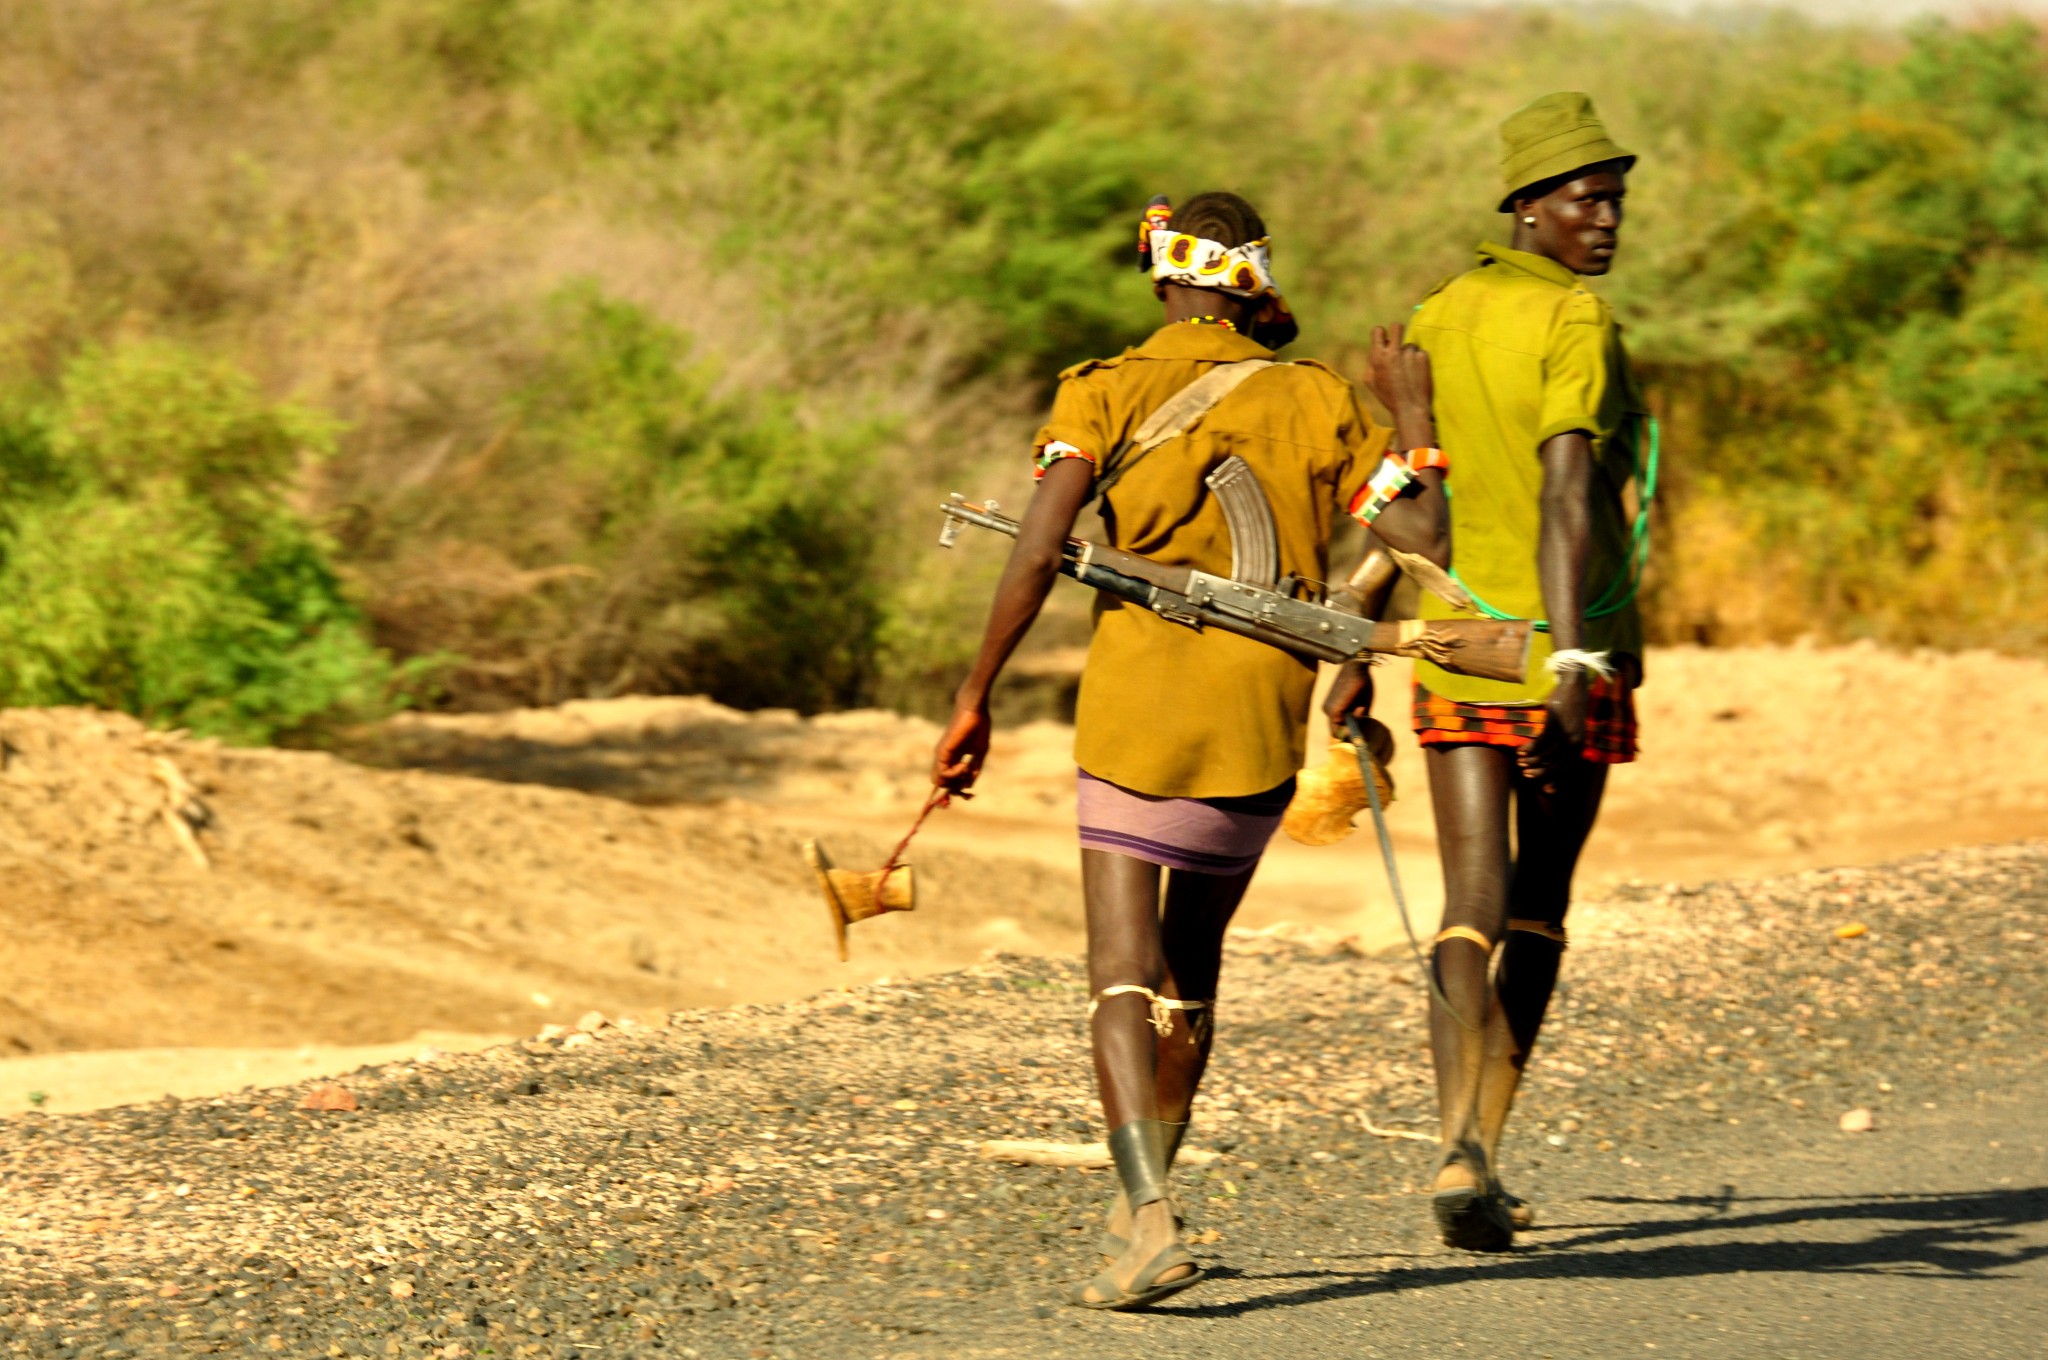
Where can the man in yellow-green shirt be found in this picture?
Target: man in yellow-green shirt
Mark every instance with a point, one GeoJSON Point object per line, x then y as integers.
{"type": "Point", "coordinates": [1544, 429]}
{"type": "Point", "coordinates": [1523, 353]}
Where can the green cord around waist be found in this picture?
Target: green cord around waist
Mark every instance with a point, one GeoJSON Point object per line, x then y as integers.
{"type": "Point", "coordinates": [1621, 591]}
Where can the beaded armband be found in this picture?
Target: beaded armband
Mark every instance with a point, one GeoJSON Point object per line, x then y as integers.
{"type": "Point", "coordinates": [1376, 495]}
{"type": "Point", "coordinates": [1056, 449]}
{"type": "Point", "coordinates": [1418, 459]}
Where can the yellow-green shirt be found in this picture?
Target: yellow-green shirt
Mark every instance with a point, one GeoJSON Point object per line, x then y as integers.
{"type": "Point", "coordinates": [1521, 351]}
{"type": "Point", "coordinates": [1163, 709]}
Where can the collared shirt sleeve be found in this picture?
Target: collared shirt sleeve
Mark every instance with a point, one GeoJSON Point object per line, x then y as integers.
{"type": "Point", "coordinates": [1579, 378]}
{"type": "Point", "coordinates": [1079, 426]}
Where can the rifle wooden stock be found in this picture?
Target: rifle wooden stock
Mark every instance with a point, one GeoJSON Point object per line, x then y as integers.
{"type": "Point", "coordinates": [1491, 649]}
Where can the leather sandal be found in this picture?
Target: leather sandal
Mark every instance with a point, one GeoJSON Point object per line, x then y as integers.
{"type": "Point", "coordinates": [1472, 1217]}
{"type": "Point", "coordinates": [1139, 1150]}
{"type": "Point", "coordinates": [1104, 1292]}
{"type": "Point", "coordinates": [1521, 1214]}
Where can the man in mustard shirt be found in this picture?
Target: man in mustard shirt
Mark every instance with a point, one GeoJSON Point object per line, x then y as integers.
{"type": "Point", "coordinates": [1543, 426]}
{"type": "Point", "coordinates": [1187, 741]}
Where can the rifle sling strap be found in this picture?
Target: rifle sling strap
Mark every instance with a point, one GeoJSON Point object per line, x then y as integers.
{"type": "Point", "coordinates": [1180, 413]}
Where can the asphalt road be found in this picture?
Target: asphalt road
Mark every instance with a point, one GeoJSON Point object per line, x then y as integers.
{"type": "Point", "coordinates": [1925, 1238]}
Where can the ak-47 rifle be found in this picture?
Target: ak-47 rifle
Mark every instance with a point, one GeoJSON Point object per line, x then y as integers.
{"type": "Point", "coordinates": [1254, 601]}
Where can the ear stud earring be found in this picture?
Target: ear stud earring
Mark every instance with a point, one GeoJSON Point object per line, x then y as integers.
{"type": "Point", "coordinates": [1529, 221]}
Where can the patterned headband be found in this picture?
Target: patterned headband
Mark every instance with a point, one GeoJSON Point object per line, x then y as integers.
{"type": "Point", "coordinates": [1181, 257]}
{"type": "Point", "coordinates": [1198, 262]}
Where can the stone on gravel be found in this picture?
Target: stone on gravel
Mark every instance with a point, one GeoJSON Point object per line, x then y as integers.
{"type": "Point", "coordinates": [330, 1097]}
{"type": "Point", "coordinates": [1858, 1120]}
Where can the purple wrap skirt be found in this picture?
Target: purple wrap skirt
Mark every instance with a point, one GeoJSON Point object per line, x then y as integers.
{"type": "Point", "coordinates": [1197, 835]}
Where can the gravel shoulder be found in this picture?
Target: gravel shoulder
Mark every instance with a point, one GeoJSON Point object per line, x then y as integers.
{"type": "Point", "coordinates": [802, 1179]}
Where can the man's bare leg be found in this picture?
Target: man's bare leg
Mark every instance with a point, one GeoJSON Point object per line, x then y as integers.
{"type": "Point", "coordinates": [1125, 949]}
{"type": "Point", "coordinates": [1550, 832]}
{"type": "Point", "coordinates": [1198, 911]}
{"type": "Point", "coordinates": [1199, 908]}
{"type": "Point", "coordinates": [1469, 788]}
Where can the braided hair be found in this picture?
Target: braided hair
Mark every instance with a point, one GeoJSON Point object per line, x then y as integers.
{"type": "Point", "coordinates": [1220, 217]}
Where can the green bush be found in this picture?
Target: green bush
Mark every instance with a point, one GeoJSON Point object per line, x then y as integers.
{"type": "Point", "coordinates": [149, 561]}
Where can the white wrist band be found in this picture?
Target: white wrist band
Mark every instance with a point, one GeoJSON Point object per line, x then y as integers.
{"type": "Point", "coordinates": [1572, 659]}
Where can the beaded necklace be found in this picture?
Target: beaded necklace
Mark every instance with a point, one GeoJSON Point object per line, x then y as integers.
{"type": "Point", "coordinates": [1226, 324]}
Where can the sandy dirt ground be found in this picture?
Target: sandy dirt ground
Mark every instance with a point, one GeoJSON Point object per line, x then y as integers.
{"type": "Point", "coordinates": [481, 875]}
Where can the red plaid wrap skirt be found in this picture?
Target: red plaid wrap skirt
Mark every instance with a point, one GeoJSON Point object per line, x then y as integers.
{"type": "Point", "coordinates": [1610, 722]}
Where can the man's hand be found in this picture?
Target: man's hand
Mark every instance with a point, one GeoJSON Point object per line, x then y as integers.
{"type": "Point", "coordinates": [1350, 693]}
{"type": "Point", "coordinates": [1401, 379]}
{"type": "Point", "coordinates": [956, 761]}
{"type": "Point", "coordinates": [1563, 737]}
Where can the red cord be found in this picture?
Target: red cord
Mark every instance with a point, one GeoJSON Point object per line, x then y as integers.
{"type": "Point", "coordinates": [940, 798]}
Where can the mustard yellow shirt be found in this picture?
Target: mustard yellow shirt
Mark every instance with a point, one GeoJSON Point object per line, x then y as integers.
{"type": "Point", "coordinates": [1521, 351]}
{"type": "Point", "coordinates": [1163, 709]}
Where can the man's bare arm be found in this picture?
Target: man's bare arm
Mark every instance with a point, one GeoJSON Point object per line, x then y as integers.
{"type": "Point", "coordinates": [1563, 548]}
{"type": "Point", "coordinates": [1027, 578]}
{"type": "Point", "coordinates": [1418, 521]}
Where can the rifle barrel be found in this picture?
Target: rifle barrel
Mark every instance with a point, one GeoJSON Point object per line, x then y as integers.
{"type": "Point", "coordinates": [1493, 649]}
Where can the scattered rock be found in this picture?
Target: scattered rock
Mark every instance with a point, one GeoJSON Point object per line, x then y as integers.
{"type": "Point", "coordinates": [332, 1096]}
{"type": "Point", "coordinates": [1851, 930]}
{"type": "Point", "coordinates": [1858, 1120]}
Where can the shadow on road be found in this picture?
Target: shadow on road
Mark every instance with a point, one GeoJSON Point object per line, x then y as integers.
{"type": "Point", "coordinates": [1965, 1235]}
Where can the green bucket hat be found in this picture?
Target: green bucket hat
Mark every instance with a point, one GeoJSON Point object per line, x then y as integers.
{"type": "Point", "coordinates": [1549, 137]}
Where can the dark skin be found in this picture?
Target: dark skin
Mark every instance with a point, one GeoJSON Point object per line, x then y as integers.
{"type": "Point", "coordinates": [1401, 380]}
{"type": "Point", "coordinates": [1156, 928]}
{"type": "Point", "coordinates": [1553, 792]}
